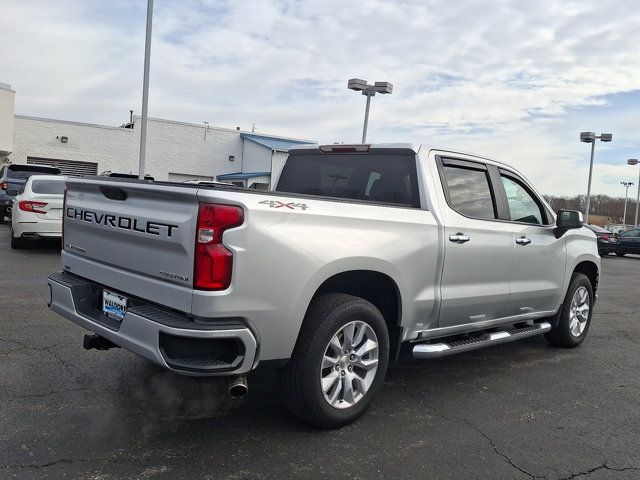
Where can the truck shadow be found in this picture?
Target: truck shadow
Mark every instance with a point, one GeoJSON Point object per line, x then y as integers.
{"type": "Point", "coordinates": [175, 403]}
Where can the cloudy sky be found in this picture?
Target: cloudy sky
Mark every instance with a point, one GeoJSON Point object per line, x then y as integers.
{"type": "Point", "coordinates": [515, 80]}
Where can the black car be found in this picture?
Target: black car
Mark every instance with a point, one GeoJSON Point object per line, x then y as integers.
{"type": "Point", "coordinates": [13, 176]}
{"type": "Point", "coordinates": [607, 241]}
{"type": "Point", "coordinates": [629, 242]}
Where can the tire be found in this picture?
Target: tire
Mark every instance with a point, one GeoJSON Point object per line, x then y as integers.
{"type": "Point", "coordinates": [330, 316]}
{"type": "Point", "coordinates": [17, 243]}
{"type": "Point", "coordinates": [621, 254]}
{"type": "Point", "coordinates": [567, 333]}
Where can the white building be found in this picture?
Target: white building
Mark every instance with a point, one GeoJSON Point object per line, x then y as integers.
{"type": "Point", "coordinates": [175, 151]}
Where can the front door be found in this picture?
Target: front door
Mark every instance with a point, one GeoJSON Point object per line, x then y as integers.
{"type": "Point", "coordinates": [478, 249]}
{"type": "Point", "coordinates": [540, 258]}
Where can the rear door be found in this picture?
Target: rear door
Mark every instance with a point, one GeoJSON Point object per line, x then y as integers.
{"type": "Point", "coordinates": [539, 261]}
{"type": "Point", "coordinates": [478, 248]}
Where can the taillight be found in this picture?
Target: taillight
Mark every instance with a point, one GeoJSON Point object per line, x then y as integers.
{"type": "Point", "coordinates": [605, 238]}
{"type": "Point", "coordinates": [213, 262]}
{"type": "Point", "coordinates": [33, 207]}
{"type": "Point", "coordinates": [4, 185]}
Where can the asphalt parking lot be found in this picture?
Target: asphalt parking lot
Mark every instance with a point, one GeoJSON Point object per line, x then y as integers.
{"type": "Point", "coordinates": [521, 410]}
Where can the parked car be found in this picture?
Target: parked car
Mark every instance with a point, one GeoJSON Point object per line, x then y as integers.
{"type": "Point", "coordinates": [607, 240]}
{"type": "Point", "coordinates": [363, 253]}
{"type": "Point", "coordinates": [37, 209]}
{"type": "Point", "coordinates": [629, 242]}
{"type": "Point", "coordinates": [13, 176]}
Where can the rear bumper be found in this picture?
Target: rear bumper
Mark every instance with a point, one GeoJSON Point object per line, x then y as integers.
{"type": "Point", "coordinates": [167, 339]}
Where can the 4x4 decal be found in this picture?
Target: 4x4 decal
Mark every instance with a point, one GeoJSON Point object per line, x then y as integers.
{"type": "Point", "coordinates": [279, 204]}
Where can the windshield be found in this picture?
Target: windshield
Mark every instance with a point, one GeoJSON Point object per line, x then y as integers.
{"type": "Point", "coordinates": [597, 229]}
{"type": "Point", "coordinates": [377, 178]}
{"type": "Point", "coordinates": [26, 171]}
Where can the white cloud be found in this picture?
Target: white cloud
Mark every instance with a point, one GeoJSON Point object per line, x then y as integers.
{"type": "Point", "coordinates": [500, 78]}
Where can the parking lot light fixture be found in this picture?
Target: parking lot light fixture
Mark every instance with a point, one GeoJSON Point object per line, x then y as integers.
{"type": "Point", "coordinates": [591, 137]}
{"type": "Point", "coordinates": [626, 186]}
{"type": "Point", "coordinates": [359, 85]}
{"type": "Point", "coordinates": [634, 161]}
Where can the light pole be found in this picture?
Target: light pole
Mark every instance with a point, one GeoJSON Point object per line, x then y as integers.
{"type": "Point", "coordinates": [369, 91]}
{"type": "Point", "coordinates": [590, 137]}
{"type": "Point", "coordinates": [634, 161]}
{"type": "Point", "coordinates": [626, 186]}
{"type": "Point", "coordinates": [145, 91]}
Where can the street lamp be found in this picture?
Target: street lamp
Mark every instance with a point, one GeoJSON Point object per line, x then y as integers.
{"type": "Point", "coordinates": [634, 161]}
{"type": "Point", "coordinates": [369, 91]}
{"type": "Point", "coordinates": [145, 91]}
{"type": "Point", "coordinates": [590, 137]}
{"type": "Point", "coordinates": [626, 186]}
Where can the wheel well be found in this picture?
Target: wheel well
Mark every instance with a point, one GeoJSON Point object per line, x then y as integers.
{"type": "Point", "coordinates": [589, 269]}
{"type": "Point", "coordinates": [375, 287]}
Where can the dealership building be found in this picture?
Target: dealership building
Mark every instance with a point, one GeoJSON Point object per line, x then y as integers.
{"type": "Point", "coordinates": [175, 151]}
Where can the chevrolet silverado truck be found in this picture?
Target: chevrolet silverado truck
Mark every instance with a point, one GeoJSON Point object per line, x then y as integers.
{"type": "Point", "coordinates": [363, 253]}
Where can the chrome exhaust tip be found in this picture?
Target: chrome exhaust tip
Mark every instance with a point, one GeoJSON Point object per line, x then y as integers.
{"type": "Point", "coordinates": [238, 386]}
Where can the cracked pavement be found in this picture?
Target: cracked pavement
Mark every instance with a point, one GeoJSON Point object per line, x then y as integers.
{"type": "Point", "coordinates": [516, 411]}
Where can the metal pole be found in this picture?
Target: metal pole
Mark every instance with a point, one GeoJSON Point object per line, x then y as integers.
{"type": "Point", "coordinates": [366, 116]}
{"type": "Point", "coordinates": [145, 91]}
{"type": "Point", "coordinates": [624, 215]}
{"type": "Point", "coordinates": [586, 216]}
{"type": "Point", "coordinates": [637, 199]}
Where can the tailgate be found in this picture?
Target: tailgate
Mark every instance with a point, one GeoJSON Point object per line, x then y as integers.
{"type": "Point", "coordinates": [135, 237]}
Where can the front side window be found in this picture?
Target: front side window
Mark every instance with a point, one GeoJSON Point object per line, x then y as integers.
{"type": "Point", "coordinates": [469, 191]}
{"type": "Point", "coordinates": [522, 205]}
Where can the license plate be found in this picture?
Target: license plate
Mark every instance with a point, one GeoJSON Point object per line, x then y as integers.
{"type": "Point", "coordinates": [114, 305]}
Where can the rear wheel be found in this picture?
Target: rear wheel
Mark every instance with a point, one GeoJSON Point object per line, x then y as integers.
{"type": "Point", "coordinates": [339, 362]}
{"type": "Point", "coordinates": [575, 316]}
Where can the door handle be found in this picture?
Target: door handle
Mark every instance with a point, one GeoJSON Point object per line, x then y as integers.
{"type": "Point", "coordinates": [523, 241]}
{"type": "Point", "coordinates": [459, 238]}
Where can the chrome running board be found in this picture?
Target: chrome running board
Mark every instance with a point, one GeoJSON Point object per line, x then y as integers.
{"type": "Point", "coordinates": [433, 350]}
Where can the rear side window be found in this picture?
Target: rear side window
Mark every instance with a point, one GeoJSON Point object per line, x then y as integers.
{"type": "Point", "coordinates": [376, 178]}
{"type": "Point", "coordinates": [48, 187]}
{"type": "Point", "coordinates": [469, 191]}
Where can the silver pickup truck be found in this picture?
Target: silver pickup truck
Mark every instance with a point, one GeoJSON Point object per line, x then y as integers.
{"type": "Point", "coordinates": [362, 254]}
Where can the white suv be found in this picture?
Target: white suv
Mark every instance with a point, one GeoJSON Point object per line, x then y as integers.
{"type": "Point", "coordinates": [37, 210]}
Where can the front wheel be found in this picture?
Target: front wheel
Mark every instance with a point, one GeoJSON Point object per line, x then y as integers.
{"type": "Point", "coordinates": [339, 361]}
{"type": "Point", "coordinates": [575, 315]}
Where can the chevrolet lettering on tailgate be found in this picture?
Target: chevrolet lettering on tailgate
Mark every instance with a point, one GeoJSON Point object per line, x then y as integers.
{"type": "Point", "coordinates": [121, 222]}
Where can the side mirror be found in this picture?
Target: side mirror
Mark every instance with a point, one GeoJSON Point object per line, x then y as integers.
{"type": "Point", "coordinates": [12, 192]}
{"type": "Point", "coordinates": [567, 220]}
